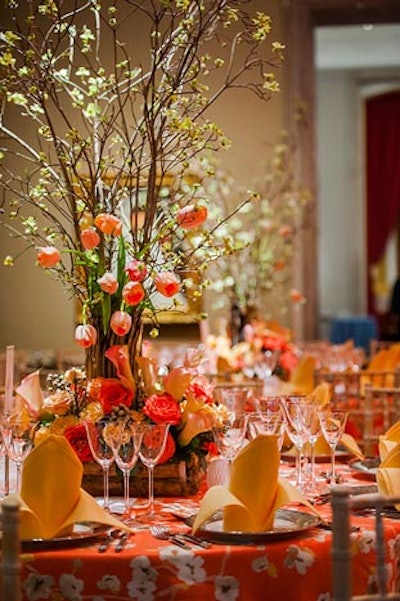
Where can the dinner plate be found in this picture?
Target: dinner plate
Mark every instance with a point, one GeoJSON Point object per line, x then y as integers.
{"type": "Point", "coordinates": [287, 523]}
{"type": "Point", "coordinates": [367, 467]}
{"type": "Point", "coordinates": [83, 533]}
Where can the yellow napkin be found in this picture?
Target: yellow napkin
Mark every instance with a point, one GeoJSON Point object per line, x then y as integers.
{"type": "Point", "coordinates": [302, 377]}
{"type": "Point", "coordinates": [52, 499]}
{"type": "Point", "coordinates": [388, 474]}
{"type": "Point", "coordinates": [389, 440]}
{"type": "Point", "coordinates": [254, 492]}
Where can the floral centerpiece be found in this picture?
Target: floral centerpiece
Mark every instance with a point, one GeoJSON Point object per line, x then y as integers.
{"type": "Point", "coordinates": [98, 157]}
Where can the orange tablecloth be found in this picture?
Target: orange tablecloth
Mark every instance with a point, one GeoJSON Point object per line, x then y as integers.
{"type": "Point", "coordinates": [294, 569]}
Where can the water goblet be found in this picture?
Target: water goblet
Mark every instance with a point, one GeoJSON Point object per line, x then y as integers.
{"type": "Point", "coordinates": [229, 435]}
{"type": "Point", "coordinates": [126, 447]}
{"type": "Point", "coordinates": [298, 411]}
{"type": "Point", "coordinates": [101, 438]}
{"type": "Point", "coordinates": [333, 424]}
{"type": "Point", "coordinates": [18, 433]}
{"type": "Point", "coordinates": [154, 439]}
{"type": "Point", "coordinates": [234, 398]}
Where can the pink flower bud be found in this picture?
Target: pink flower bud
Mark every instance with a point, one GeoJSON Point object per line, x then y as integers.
{"type": "Point", "coordinates": [108, 283]}
{"type": "Point", "coordinates": [136, 270]}
{"type": "Point", "coordinates": [133, 293]}
{"type": "Point", "coordinates": [120, 323]}
{"type": "Point", "coordinates": [89, 238]}
{"type": "Point", "coordinates": [85, 335]}
{"type": "Point", "coordinates": [108, 224]}
{"type": "Point", "coordinates": [167, 283]}
{"type": "Point", "coordinates": [191, 216]}
{"type": "Point", "coordinates": [48, 256]}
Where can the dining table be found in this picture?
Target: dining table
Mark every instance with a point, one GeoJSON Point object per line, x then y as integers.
{"type": "Point", "coordinates": [292, 564]}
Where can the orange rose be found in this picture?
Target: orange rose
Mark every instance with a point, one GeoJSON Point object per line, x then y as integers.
{"type": "Point", "coordinates": [108, 224]}
{"type": "Point", "coordinates": [162, 409]}
{"type": "Point", "coordinates": [77, 438]}
{"type": "Point", "coordinates": [109, 392]}
{"type": "Point", "coordinates": [89, 238]}
{"type": "Point", "coordinates": [48, 256]}
{"type": "Point", "coordinates": [191, 216]}
{"type": "Point", "coordinates": [167, 283]}
{"type": "Point", "coordinates": [133, 293]}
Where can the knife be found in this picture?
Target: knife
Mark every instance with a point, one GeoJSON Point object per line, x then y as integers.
{"type": "Point", "coordinates": [122, 541]}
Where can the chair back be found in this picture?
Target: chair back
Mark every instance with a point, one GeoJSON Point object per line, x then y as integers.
{"type": "Point", "coordinates": [381, 410]}
{"type": "Point", "coordinates": [342, 506]}
{"type": "Point", "coordinates": [10, 589]}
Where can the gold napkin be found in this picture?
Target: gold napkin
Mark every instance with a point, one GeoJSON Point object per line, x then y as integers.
{"type": "Point", "coordinates": [389, 440]}
{"type": "Point", "coordinates": [254, 492]}
{"type": "Point", "coordinates": [388, 474]}
{"type": "Point", "coordinates": [52, 499]}
{"type": "Point", "coordinates": [302, 377]}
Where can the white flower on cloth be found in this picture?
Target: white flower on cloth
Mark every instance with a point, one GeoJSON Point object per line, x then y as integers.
{"type": "Point", "coordinates": [394, 547]}
{"type": "Point", "coordinates": [324, 597]}
{"type": "Point", "coordinates": [109, 583]}
{"type": "Point", "coordinates": [142, 585]}
{"type": "Point", "coordinates": [226, 588]}
{"type": "Point", "coordinates": [262, 564]}
{"type": "Point", "coordinates": [71, 587]}
{"type": "Point", "coordinates": [189, 566]}
{"type": "Point", "coordinates": [38, 586]}
{"type": "Point", "coordinates": [366, 541]}
{"type": "Point", "coordinates": [298, 558]}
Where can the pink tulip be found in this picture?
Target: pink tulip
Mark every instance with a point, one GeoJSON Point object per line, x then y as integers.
{"type": "Point", "coordinates": [120, 323]}
{"type": "Point", "coordinates": [89, 238]}
{"type": "Point", "coordinates": [108, 283]}
{"type": "Point", "coordinates": [133, 293]}
{"type": "Point", "coordinates": [108, 224]}
{"type": "Point", "coordinates": [167, 283]}
{"type": "Point", "coordinates": [136, 270]}
{"type": "Point", "coordinates": [191, 216]}
{"type": "Point", "coordinates": [48, 256]}
{"type": "Point", "coordinates": [85, 336]}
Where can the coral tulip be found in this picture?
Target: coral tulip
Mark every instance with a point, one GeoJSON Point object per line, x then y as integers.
{"type": "Point", "coordinates": [136, 270]}
{"type": "Point", "coordinates": [133, 293]}
{"type": "Point", "coordinates": [108, 224]}
{"type": "Point", "coordinates": [120, 323]}
{"type": "Point", "coordinates": [108, 283]}
{"type": "Point", "coordinates": [167, 283]}
{"type": "Point", "coordinates": [89, 238]}
{"type": "Point", "coordinates": [85, 335]}
{"type": "Point", "coordinates": [48, 256]}
{"type": "Point", "coordinates": [191, 216]}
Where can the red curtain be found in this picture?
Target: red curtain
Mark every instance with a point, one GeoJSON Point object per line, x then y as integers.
{"type": "Point", "coordinates": [383, 176]}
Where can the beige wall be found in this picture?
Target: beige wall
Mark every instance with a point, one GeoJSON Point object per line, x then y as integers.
{"type": "Point", "coordinates": [35, 313]}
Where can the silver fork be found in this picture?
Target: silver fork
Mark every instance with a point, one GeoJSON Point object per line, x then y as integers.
{"type": "Point", "coordinates": [163, 533]}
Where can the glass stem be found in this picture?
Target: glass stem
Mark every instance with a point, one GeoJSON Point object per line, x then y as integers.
{"type": "Point", "coordinates": [312, 463]}
{"type": "Point", "coordinates": [106, 496]}
{"type": "Point", "coordinates": [299, 459]}
{"type": "Point", "coordinates": [18, 476]}
{"type": "Point", "coordinates": [333, 463]}
{"type": "Point", "coordinates": [151, 491]}
{"type": "Point", "coordinates": [126, 491]}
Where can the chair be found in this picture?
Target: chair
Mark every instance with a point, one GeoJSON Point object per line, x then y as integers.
{"type": "Point", "coordinates": [10, 551]}
{"type": "Point", "coordinates": [381, 410]}
{"type": "Point", "coordinates": [342, 505]}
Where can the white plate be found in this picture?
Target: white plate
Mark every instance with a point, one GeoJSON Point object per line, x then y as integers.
{"type": "Point", "coordinates": [288, 523]}
{"type": "Point", "coordinates": [83, 533]}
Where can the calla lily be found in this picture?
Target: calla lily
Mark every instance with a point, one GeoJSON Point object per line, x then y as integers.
{"type": "Point", "coordinates": [119, 357]}
{"type": "Point", "coordinates": [148, 367]}
{"type": "Point", "coordinates": [176, 382]}
{"type": "Point", "coordinates": [197, 417]}
{"type": "Point", "coordinates": [31, 393]}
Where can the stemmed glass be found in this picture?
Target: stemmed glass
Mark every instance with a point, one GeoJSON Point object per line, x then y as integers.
{"type": "Point", "coordinates": [153, 444]}
{"type": "Point", "coordinates": [333, 424]}
{"type": "Point", "coordinates": [234, 398]}
{"type": "Point", "coordinates": [298, 414]}
{"type": "Point", "coordinates": [229, 434]}
{"type": "Point", "coordinates": [314, 434]}
{"type": "Point", "coordinates": [126, 452]}
{"type": "Point", "coordinates": [101, 438]}
{"type": "Point", "coordinates": [18, 434]}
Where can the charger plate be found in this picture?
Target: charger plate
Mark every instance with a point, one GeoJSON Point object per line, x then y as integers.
{"type": "Point", "coordinates": [287, 523]}
{"type": "Point", "coordinates": [83, 533]}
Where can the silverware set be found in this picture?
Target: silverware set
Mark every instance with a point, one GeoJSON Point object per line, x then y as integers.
{"type": "Point", "coordinates": [181, 539]}
{"type": "Point", "coordinates": [120, 537]}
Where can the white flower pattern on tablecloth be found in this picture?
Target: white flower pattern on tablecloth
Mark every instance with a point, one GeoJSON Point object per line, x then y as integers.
{"type": "Point", "coordinates": [262, 564]}
{"type": "Point", "coordinates": [226, 588]}
{"type": "Point", "coordinates": [324, 597]}
{"type": "Point", "coordinates": [366, 541]}
{"type": "Point", "coordinates": [142, 585]}
{"type": "Point", "coordinates": [71, 587]}
{"type": "Point", "coordinates": [298, 558]}
{"type": "Point", "coordinates": [38, 586]}
{"type": "Point", "coordinates": [109, 583]}
{"type": "Point", "coordinates": [394, 547]}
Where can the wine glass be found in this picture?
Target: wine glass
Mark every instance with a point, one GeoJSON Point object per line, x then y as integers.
{"type": "Point", "coordinates": [314, 428]}
{"type": "Point", "coordinates": [18, 434]}
{"type": "Point", "coordinates": [154, 439]}
{"type": "Point", "coordinates": [126, 447]}
{"type": "Point", "coordinates": [234, 398]}
{"type": "Point", "coordinates": [333, 423]}
{"type": "Point", "coordinates": [101, 437]}
{"type": "Point", "coordinates": [298, 411]}
{"type": "Point", "coordinates": [229, 434]}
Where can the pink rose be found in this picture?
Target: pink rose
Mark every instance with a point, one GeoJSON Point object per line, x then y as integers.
{"type": "Point", "coordinates": [120, 323]}
{"type": "Point", "coordinates": [167, 283]}
{"type": "Point", "coordinates": [108, 283]}
{"type": "Point", "coordinates": [48, 256]}
{"type": "Point", "coordinates": [85, 336]}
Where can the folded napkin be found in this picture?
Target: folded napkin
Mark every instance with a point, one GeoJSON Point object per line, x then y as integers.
{"type": "Point", "coordinates": [52, 499]}
{"type": "Point", "coordinates": [302, 377]}
{"type": "Point", "coordinates": [388, 474]}
{"type": "Point", "coordinates": [254, 492]}
{"type": "Point", "coordinates": [389, 440]}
